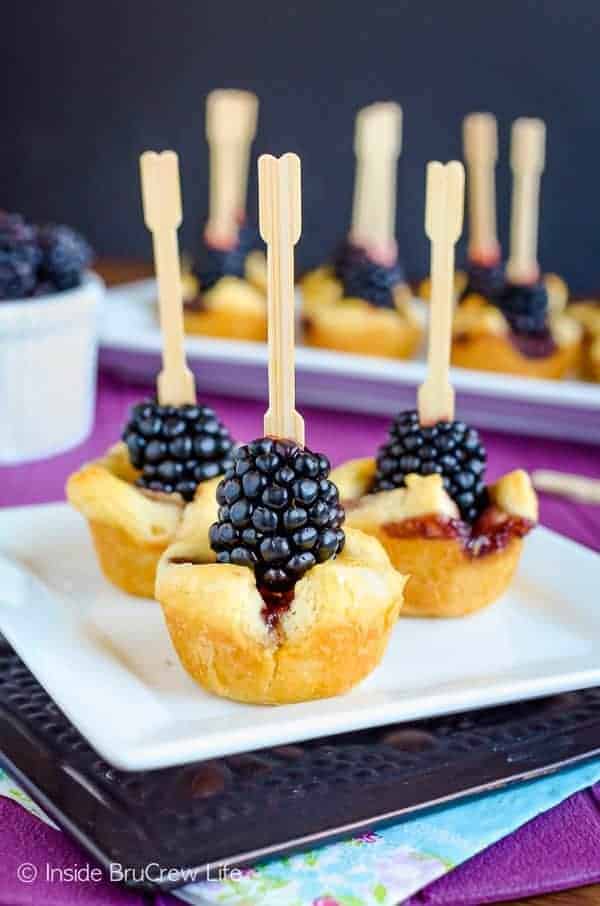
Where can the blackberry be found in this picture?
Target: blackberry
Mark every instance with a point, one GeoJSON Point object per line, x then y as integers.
{"type": "Point", "coordinates": [450, 449]}
{"type": "Point", "coordinates": [177, 447]}
{"type": "Point", "coordinates": [346, 256]}
{"type": "Point", "coordinates": [19, 257]}
{"type": "Point", "coordinates": [365, 279]}
{"type": "Point", "coordinates": [278, 512]}
{"type": "Point", "coordinates": [65, 256]}
{"type": "Point", "coordinates": [484, 280]}
{"type": "Point", "coordinates": [216, 263]}
{"type": "Point", "coordinates": [525, 307]}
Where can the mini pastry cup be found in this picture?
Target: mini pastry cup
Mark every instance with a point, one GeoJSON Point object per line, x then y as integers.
{"type": "Point", "coordinates": [356, 326]}
{"type": "Point", "coordinates": [444, 579]}
{"type": "Point", "coordinates": [131, 530]}
{"type": "Point", "coordinates": [494, 352]}
{"type": "Point", "coordinates": [333, 635]}
{"type": "Point", "coordinates": [587, 314]}
{"type": "Point", "coordinates": [232, 309]}
{"type": "Point", "coordinates": [482, 342]}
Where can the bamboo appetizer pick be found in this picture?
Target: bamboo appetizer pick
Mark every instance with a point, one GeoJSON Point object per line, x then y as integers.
{"type": "Point", "coordinates": [280, 226]}
{"type": "Point", "coordinates": [161, 199]}
{"type": "Point", "coordinates": [564, 484]}
{"type": "Point", "coordinates": [231, 118]}
{"type": "Point", "coordinates": [377, 144]}
{"type": "Point", "coordinates": [527, 162]}
{"type": "Point", "coordinates": [480, 145]}
{"type": "Point", "coordinates": [444, 208]}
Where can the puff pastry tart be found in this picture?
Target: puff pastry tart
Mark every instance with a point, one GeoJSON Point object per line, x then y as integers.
{"type": "Point", "coordinates": [517, 332]}
{"type": "Point", "coordinates": [587, 314]}
{"type": "Point", "coordinates": [360, 306]}
{"type": "Point", "coordinates": [294, 609]}
{"type": "Point", "coordinates": [225, 296]}
{"type": "Point", "coordinates": [458, 540]}
{"type": "Point", "coordinates": [135, 498]}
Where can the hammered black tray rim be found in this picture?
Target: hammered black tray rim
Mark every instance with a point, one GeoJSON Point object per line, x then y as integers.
{"type": "Point", "coordinates": [253, 806]}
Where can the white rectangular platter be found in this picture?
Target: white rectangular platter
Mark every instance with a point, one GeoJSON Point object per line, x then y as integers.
{"type": "Point", "coordinates": [107, 660]}
{"type": "Point", "coordinates": [130, 347]}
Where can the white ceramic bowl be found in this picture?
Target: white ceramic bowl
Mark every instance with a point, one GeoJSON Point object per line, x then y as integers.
{"type": "Point", "coordinates": [48, 352]}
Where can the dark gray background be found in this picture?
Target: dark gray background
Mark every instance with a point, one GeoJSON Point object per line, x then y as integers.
{"type": "Point", "coordinates": [88, 85]}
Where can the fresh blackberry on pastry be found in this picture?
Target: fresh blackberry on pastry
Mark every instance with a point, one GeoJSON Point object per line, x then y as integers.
{"type": "Point", "coordinates": [278, 512]}
{"type": "Point", "coordinates": [172, 450]}
{"type": "Point", "coordinates": [424, 496]}
{"type": "Point", "coordinates": [519, 327]}
{"type": "Point", "coordinates": [225, 292]}
{"type": "Point", "coordinates": [457, 538]}
{"type": "Point", "coordinates": [519, 334]}
{"type": "Point", "coordinates": [361, 303]}
{"type": "Point", "coordinates": [295, 608]}
{"type": "Point", "coordinates": [135, 497]}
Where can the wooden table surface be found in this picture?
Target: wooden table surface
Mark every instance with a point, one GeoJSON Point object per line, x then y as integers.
{"type": "Point", "coordinates": [121, 271]}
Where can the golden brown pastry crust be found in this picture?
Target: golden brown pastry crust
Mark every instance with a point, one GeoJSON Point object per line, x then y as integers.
{"type": "Point", "coordinates": [489, 352]}
{"type": "Point", "coordinates": [353, 325]}
{"type": "Point", "coordinates": [587, 314]}
{"type": "Point", "coordinates": [333, 635]}
{"type": "Point", "coordinates": [232, 309]}
{"type": "Point", "coordinates": [444, 580]}
{"type": "Point", "coordinates": [482, 342]}
{"type": "Point", "coordinates": [131, 530]}
{"type": "Point", "coordinates": [320, 287]}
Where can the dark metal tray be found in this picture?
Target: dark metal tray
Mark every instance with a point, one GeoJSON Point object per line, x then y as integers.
{"type": "Point", "coordinates": [243, 808]}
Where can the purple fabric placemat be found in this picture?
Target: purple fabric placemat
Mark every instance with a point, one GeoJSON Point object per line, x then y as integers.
{"type": "Point", "coordinates": [29, 846]}
{"type": "Point", "coordinates": [557, 850]}
{"type": "Point", "coordinates": [340, 435]}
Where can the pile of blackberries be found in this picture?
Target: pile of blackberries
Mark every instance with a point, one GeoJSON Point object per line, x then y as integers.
{"type": "Point", "coordinates": [35, 261]}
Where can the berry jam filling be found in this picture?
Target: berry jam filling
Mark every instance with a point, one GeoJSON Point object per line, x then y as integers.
{"type": "Point", "coordinates": [450, 449]}
{"type": "Point", "coordinates": [368, 280]}
{"type": "Point", "coordinates": [485, 280]}
{"type": "Point", "coordinates": [538, 345]}
{"type": "Point", "coordinates": [176, 447]}
{"type": "Point", "coordinates": [278, 514]}
{"type": "Point", "coordinates": [492, 532]}
{"type": "Point", "coordinates": [215, 263]}
{"type": "Point", "coordinates": [276, 604]}
{"type": "Point", "coordinates": [35, 261]}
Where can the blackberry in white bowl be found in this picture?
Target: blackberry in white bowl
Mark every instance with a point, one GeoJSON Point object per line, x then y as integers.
{"type": "Point", "coordinates": [48, 312]}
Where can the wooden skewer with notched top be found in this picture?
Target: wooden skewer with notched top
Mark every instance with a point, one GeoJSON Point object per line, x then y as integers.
{"type": "Point", "coordinates": [443, 224]}
{"type": "Point", "coordinates": [280, 226]}
{"type": "Point", "coordinates": [231, 118]}
{"type": "Point", "coordinates": [480, 144]}
{"type": "Point", "coordinates": [377, 144]}
{"type": "Point", "coordinates": [527, 155]}
{"type": "Point", "coordinates": [161, 198]}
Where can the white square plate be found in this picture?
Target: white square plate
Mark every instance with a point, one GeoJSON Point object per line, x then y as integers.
{"type": "Point", "coordinates": [107, 660]}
